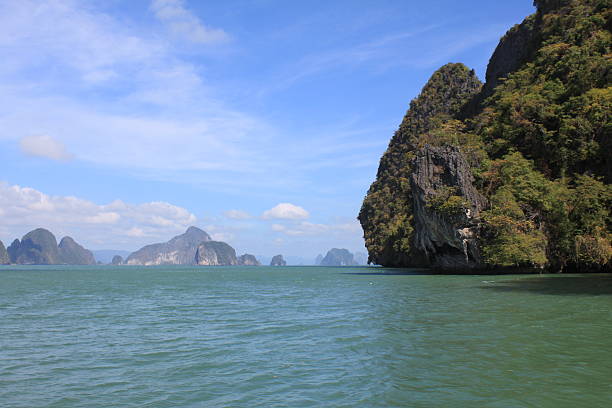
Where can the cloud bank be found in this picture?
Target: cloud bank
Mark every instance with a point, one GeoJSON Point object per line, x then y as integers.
{"type": "Point", "coordinates": [114, 224]}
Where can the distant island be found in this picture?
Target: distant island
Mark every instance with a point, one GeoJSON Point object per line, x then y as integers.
{"type": "Point", "coordinates": [341, 257]}
{"type": "Point", "coordinates": [512, 173]}
{"type": "Point", "coordinates": [278, 260]}
{"type": "Point", "coordinates": [39, 247]}
{"type": "Point", "coordinates": [194, 247]}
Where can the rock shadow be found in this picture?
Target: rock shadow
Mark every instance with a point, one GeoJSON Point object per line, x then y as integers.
{"type": "Point", "coordinates": [592, 284]}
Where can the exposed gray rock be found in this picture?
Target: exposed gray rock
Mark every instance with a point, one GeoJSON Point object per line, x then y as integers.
{"type": "Point", "coordinates": [117, 260]}
{"type": "Point", "coordinates": [38, 247]}
{"type": "Point", "coordinates": [248, 260]}
{"type": "Point", "coordinates": [215, 253]}
{"type": "Point", "coordinates": [338, 257]}
{"type": "Point", "coordinates": [72, 253]}
{"type": "Point", "coordinates": [445, 239]}
{"type": "Point", "coordinates": [515, 47]}
{"type": "Point", "coordinates": [4, 256]}
{"type": "Point", "coordinates": [180, 250]}
{"type": "Point", "coordinates": [277, 260]}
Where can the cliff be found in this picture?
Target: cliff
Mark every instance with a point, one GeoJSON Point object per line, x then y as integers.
{"type": "Point", "coordinates": [248, 260]}
{"type": "Point", "coordinates": [117, 260]}
{"type": "Point", "coordinates": [338, 257]}
{"type": "Point", "coordinates": [180, 250]}
{"type": "Point", "coordinates": [277, 260]}
{"type": "Point", "coordinates": [37, 247]}
{"type": "Point", "coordinates": [4, 256]}
{"type": "Point", "coordinates": [71, 253]}
{"type": "Point", "coordinates": [214, 253]}
{"type": "Point", "coordinates": [514, 173]}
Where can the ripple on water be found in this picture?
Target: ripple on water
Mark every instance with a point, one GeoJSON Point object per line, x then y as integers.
{"type": "Point", "coordinates": [299, 337]}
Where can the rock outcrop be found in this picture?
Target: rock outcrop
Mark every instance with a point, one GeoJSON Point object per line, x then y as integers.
{"type": "Point", "coordinates": [248, 260]}
{"type": "Point", "coordinates": [117, 260]}
{"type": "Point", "coordinates": [318, 259]}
{"type": "Point", "coordinates": [277, 260]}
{"type": "Point", "coordinates": [180, 250]}
{"type": "Point", "coordinates": [71, 253]}
{"type": "Point", "coordinates": [38, 247]}
{"type": "Point", "coordinates": [338, 257]}
{"type": "Point", "coordinates": [386, 214]}
{"type": "Point", "coordinates": [446, 208]}
{"type": "Point", "coordinates": [514, 173]}
{"type": "Point", "coordinates": [215, 253]}
{"type": "Point", "coordinates": [4, 256]}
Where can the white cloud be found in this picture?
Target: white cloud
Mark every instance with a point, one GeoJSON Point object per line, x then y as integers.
{"type": "Point", "coordinates": [237, 215]}
{"type": "Point", "coordinates": [183, 23]}
{"type": "Point", "coordinates": [117, 223]}
{"type": "Point", "coordinates": [286, 211]}
{"type": "Point", "coordinates": [44, 146]}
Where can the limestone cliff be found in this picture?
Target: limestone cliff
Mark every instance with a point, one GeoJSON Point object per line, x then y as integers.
{"type": "Point", "coordinates": [277, 260]}
{"type": "Point", "coordinates": [180, 250]}
{"type": "Point", "coordinates": [215, 253]}
{"type": "Point", "coordinates": [386, 214]}
{"type": "Point", "coordinates": [4, 257]}
{"type": "Point", "coordinates": [248, 260]}
{"type": "Point", "coordinates": [117, 260]}
{"type": "Point", "coordinates": [446, 208]}
{"type": "Point", "coordinates": [338, 257]}
{"type": "Point", "coordinates": [37, 247]}
{"type": "Point", "coordinates": [515, 173]}
{"type": "Point", "coordinates": [71, 253]}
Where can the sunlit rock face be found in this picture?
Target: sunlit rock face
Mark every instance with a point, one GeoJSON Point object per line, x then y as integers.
{"type": "Point", "coordinates": [248, 260]}
{"type": "Point", "coordinates": [338, 257]}
{"type": "Point", "coordinates": [215, 253]}
{"type": "Point", "coordinates": [446, 208]}
{"type": "Point", "coordinates": [180, 250]}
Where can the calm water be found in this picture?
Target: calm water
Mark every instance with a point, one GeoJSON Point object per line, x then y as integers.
{"type": "Point", "coordinates": [301, 337]}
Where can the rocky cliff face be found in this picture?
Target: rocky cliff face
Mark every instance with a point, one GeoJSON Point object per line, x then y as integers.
{"type": "Point", "coordinates": [180, 250]}
{"type": "Point", "coordinates": [214, 253]}
{"type": "Point", "coordinates": [318, 259]}
{"type": "Point", "coordinates": [71, 253]}
{"type": "Point", "coordinates": [515, 173]}
{"type": "Point", "coordinates": [446, 208]}
{"type": "Point", "coordinates": [386, 214]}
{"type": "Point", "coordinates": [117, 260]}
{"type": "Point", "coordinates": [4, 256]}
{"type": "Point", "coordinates": [38, 247]}
{"type": "Point", "coordinates": [248, 260]}
{"type": "Point", "coordinates": [338, 257]}
{"type": "Point", "coordinates": [278, 260]}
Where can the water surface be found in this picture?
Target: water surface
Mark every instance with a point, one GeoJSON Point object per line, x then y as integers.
{"type": "Point", "coordinates": [301, 337]}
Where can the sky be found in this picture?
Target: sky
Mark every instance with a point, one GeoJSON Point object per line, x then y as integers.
{"type": "Point", "coordinates": [262, 122]}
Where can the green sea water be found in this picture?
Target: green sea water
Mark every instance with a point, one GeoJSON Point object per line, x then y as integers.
{"type": "Point", "coordinates": [301, 337]}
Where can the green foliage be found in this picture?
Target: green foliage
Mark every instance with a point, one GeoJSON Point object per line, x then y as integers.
{"type": "Point", "coordinates": [386, 213]}
{"type": "Point", "coordinates": [556, 108]}
{"type": "Point", "coordinates": [446, 201]}
{"type": "Point", "coordinates": [512, 227]}
{"type": "Point", "coordinates": [539, 146]}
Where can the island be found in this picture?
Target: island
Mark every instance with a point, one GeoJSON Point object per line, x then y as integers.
{"type": "Point", "coordinates": [511, 173]}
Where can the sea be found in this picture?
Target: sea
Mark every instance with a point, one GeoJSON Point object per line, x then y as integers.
{"type": "Point", "coordinates": [121, 336]}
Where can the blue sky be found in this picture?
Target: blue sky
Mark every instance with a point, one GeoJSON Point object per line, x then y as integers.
{"type": "Point", "coordinates": [262, 122]}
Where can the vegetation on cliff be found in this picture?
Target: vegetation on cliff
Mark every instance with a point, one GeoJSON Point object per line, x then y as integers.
{"type": "Point", "coordinates": [537, 138]}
